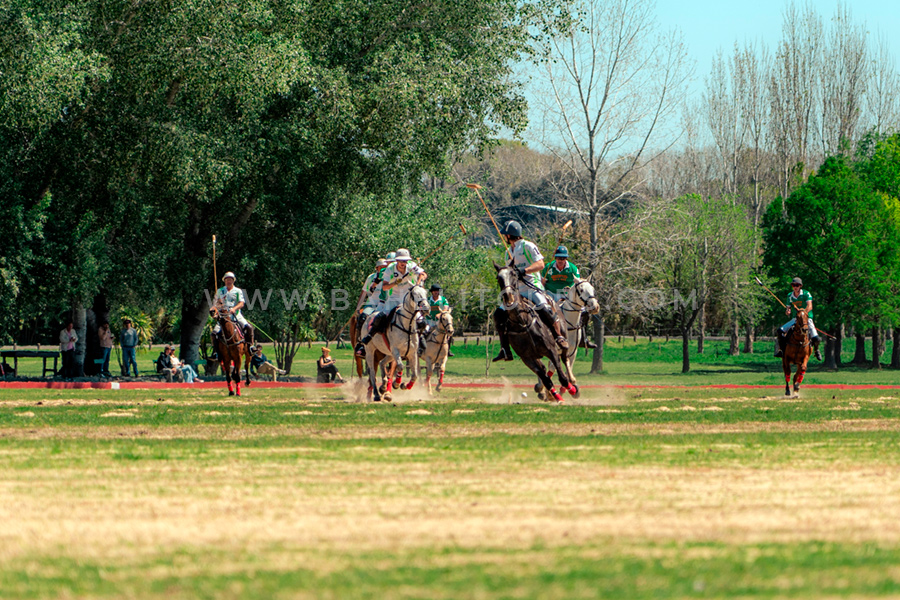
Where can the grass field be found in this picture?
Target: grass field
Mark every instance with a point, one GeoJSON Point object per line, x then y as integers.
{"type": "Point", "coordinates": [639, 493]}
{"type": "Point", "coordinates": [626, 362]}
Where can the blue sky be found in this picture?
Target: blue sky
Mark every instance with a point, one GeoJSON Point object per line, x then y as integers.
{"type": "Point", "coordinates": [710, 25]}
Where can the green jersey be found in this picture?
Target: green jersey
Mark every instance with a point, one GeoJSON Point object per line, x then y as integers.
{"type": "Point", "coordinates": [800, 301]}
{"type": "Point", "coordinates": [437, 306]}
{"type": "Point", "coordinates": [557, 279]}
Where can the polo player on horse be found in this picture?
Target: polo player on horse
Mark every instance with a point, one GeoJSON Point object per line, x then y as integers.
{"type": "Point", "coordinates": [398, 278]}
{"type": "Point", "coordinates": [528, 262]}
{"type": "Point", "coordinates": [557, 277]}
{"type": "Point", "coordinates": [232, 299]}
{"type": "Point", "coordinates": [798, 298]}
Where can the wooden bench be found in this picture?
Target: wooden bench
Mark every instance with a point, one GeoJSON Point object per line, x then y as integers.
{"type": "Point", "coordinates": [43, 354]}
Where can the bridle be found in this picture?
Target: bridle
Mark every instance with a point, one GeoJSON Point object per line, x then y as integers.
{"type": "Point", "coordinates": [442, 328]}
{"type": "Point", "coordinates": [224, 316]}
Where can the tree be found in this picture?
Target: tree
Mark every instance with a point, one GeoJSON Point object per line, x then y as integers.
{"type": "Point", "coordinates": [688, 246]}
{"type": "Point", "coordinates": [611, 81]}
{"type": "Point", "coordinates": [831, 231]}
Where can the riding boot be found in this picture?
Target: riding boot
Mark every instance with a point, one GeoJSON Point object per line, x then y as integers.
{"type": "Point", "coordinates": [377, 327]}
{"type": "Point", "coordinates": [551, 320]}
{"type": "Point", "coordinates": [815, 344]}
{"type": "Point", "coordinates": [779, 348]}
{"type": "Point", "coordinates": [450, 343]}
{"type": "Point", "coordinates": [248, 335]}
{"type": "Point", "coordinates": [500, 319]}
{"type": "Point", "coordinates": [586, 342]}
{"type": "Point", "coordinates": [423, 345]}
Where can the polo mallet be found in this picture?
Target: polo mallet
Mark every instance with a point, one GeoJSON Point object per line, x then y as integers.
{"type": "Point", "coordinates": [433, 252]}
{"type": "Point", "coordinates": [784, 305]}
{"type": "Point", "coordinates": [476, 187]}
{"type": "Point", "coordinates": [215, 277]}
{"type": "Point", "coordinates": [562, 234]}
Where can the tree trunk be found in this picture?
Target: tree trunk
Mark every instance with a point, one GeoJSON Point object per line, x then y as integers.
{"type": "Point", "coordinates": [830, 349]}
{"type": "Point", "coordinates": [748, 340]}
{"type": "Point", "coordinates": [91, 343]}
{"type": "Point", "coordinates": [79, 319]}
{"type": "Point", "coordinates": [859, 357]}
{"type": "Point", "coordinates": [895, 352]}
{"type": "Point", "coordinates": [599, 331]}
{"type": "Point", "coordinates": [685, 350]}
{"type": "Point", "coordinates": [876, 347]}
{"type": "Point", "coordinates": [734, 347]}
{"type": "Point", "coordinates": [194, 313]}
{"type": "Point", "coordinates": [702, 327]}
{"type": "Point", "coordinates": [839, 344]}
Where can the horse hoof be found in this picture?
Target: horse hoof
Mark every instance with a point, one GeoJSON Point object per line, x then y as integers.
{"type": "Point", "coordinates": [541, 396]}
{"type": "Point", "coordinates": [382, 389]}
{"type": "Point", "coordinates": [573, 389]}
{"type": "Point", "coordinates": [402, 386]}
{"type": "Point", "coordinates": [230, 392]}
{"type": "Point", "coordinates": [438, 387]}
{"type": "Point", "coordinates": [538, 388]}
{"type": "Point", "coordinates": [388, 396]}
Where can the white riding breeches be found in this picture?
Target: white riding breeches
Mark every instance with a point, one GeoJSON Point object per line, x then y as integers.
{"type": "Point", "coordinates": [240, 319]}
{"type": "Point", "coordinates": [537, 297]}
{"type": "Point", "coordinates": [812, 328]}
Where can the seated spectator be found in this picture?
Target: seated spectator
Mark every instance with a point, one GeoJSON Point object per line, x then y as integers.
{"type": "Point", "coordinates": [165, 368]}
{"type": "Point", "coordinates": [260, 365]}
{"type": "Point", "coordinates": [187, 371]}
{"type": "Point", "coordinates": [326, 368]}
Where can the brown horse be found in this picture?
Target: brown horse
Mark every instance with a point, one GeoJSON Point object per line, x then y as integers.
{"type": "Point", "coordinates": [230, 349]}
{"type": "Point", "coordinates": [530, 338]}
{"type": "Point", "coordinates": [797, 351]}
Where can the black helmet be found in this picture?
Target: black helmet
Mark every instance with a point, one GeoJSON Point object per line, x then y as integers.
{"type": "Point", "coordinates": [436, 287]}
{"type": "Point", "coordinates": [512, 228]}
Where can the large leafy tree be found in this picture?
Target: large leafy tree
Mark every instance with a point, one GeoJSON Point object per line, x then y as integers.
{"type": "Point", "coordinates": [834, 231]}
{"type": "Point", "coordinates": [262, 123]}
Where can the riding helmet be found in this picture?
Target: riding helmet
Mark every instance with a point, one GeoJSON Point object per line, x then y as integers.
{"type": "Point", "coordinates": [561, 252]}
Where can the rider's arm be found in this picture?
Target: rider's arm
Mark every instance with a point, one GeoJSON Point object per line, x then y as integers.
{"type": "Point", "coordinates": [535, 267]}
{"type": "Point", "coordinates": [808, 306]}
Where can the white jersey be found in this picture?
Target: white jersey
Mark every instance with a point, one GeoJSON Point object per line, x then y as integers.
{"type": "Point", "coordinates": [370, 297]}
{"type": "Point", "coordinates": [231, 298]}
{"type": "Point", "coordinates": [393, 275]}
{"type": "Point", "coordinates": [525, 254]}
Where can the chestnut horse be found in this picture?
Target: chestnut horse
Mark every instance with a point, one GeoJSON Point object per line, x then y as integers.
{"type": "Point", "coordinates": [797, 351]}
{"type": "Point", "coordinates": [231, 348]}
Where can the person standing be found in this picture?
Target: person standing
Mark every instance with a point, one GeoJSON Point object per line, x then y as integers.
{"type": "Point", "coordinates": [67, 339]}
{"type": "Point", "coordinates": [106, 343]}
{"type": "Point", "coordinates": [129, 340]}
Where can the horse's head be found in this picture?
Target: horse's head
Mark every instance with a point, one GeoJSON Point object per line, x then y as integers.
{"type": "Point", "coordinates": [582, 295]}
{"type": "Point", "coordinates": [509, 287]}
{"type": "Point", "coordinates": [802, 321]}
{"type": "Point", "coordinates": [445, 322]}
{"type": "Point", "coordinates": [416, 299]}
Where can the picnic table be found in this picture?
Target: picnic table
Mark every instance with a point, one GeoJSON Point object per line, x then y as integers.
{"type": "Point", "coordinates": [44, 354]}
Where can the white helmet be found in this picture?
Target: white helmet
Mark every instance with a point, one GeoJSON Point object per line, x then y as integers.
{"type": "Point", "coordinates": [227, 275]}
{"type": "Point", "coordinates": [402, 255]}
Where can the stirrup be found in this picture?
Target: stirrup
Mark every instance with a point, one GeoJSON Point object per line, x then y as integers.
{"type": "Point", "coordinates": [359, 351]}
{"type": "Point", "coordinates": [504, 355]}
{"type": "Point", "coordinates": [562, 342]}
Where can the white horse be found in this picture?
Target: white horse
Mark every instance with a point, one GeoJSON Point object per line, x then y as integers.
{"type": "Point", "coordinates": [579, 299]}
{"type": "Point", "coordinates": [437, 347]}
{"type": "Point", "coordinates": [399, 342]}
